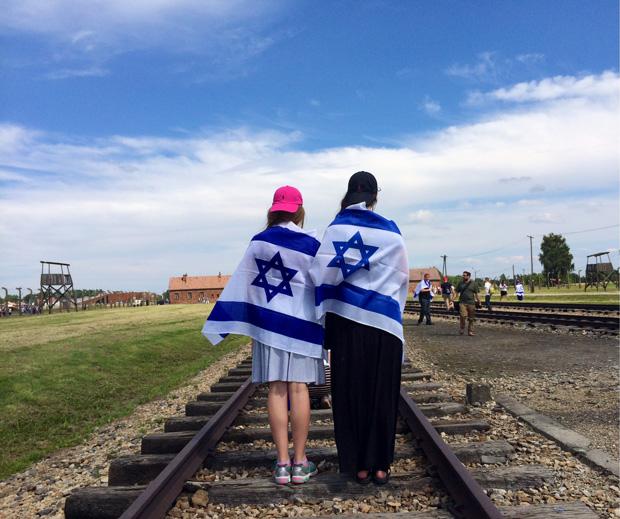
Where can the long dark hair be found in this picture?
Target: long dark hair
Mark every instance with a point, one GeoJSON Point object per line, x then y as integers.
{"type": "Point", "coordinates": [347, 200]}
{"type": "Point", "coordinates": [277, 217]}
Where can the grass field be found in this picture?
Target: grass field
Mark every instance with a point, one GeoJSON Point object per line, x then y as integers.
{"type": "Point", "coordinates": [572, 294]}
{"type": "Point", "coordinates": [63, 375]}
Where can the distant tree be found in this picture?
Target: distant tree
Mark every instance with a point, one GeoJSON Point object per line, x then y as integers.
{"type": "Point", "coordinates": [555, 256]}
{"type": "Point", "coordinates": [455, 280]}
{"type": "Point", "coordinates": [166, 295]}
{"type": "Point", "coordinates": [503, 278]}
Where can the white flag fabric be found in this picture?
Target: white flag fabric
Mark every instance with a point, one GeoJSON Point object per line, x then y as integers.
{"type": "Point", "coordinates": [270, 297]}
{"type": "Point", "coordinates": [422, 284]}
{"type": "Point", "coordinates": [361, 270]}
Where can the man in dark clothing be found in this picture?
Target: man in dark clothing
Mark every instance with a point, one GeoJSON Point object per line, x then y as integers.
{"type": "Point", "coordinates": [424, 293]}
{"type": "Point", "coordinates": [447, 293]}
{"type": "Point", "coordinates": [468, 298]}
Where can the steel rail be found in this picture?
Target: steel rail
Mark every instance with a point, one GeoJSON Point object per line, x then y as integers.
{"type": "Point", "coordinates": [471, 501]}
{"type": "Point", "coordinates": [157, 498]}
{"type": "Point", "coordinates": [581, 321]}
{"type": "Point", "coordinates": [584, 307]}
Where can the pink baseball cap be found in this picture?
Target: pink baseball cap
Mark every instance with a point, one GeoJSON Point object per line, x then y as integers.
{"type": "Point", "coordinates": [286, 198]}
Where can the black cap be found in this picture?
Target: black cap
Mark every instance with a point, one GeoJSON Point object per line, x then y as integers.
{"type": "Point", "coordinates": [362, 187]}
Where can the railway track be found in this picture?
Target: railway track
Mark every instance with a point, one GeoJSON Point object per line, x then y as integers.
{"type": "Point", "coordinates": [577, 321]}
{"type": "Point", "coordinates": [223, 428]}
{"type": "Point", "coordinates": [560, 307]}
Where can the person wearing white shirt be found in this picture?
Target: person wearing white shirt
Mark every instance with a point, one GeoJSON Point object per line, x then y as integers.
{"type": "Point", "coordinates": [503, 290]}
{"type": "Point", "coordinates": [519, 290]}
{"type": "Point", "coordinates": [488, 289]}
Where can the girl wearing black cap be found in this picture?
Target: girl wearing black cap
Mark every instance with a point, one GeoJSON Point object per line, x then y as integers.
{"type": "Point", "coordinates": [361, 276]}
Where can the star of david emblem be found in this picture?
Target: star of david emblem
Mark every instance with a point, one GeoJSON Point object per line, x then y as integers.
{"type": "Point", "coordinates": [287, 274]}
{"type": "Point", "coordinates": [355, 242]}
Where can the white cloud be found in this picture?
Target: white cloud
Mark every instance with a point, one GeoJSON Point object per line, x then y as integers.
{"type": "Point", "coordinates": [77, 72]}
{"type": "Point", "coordinates": [430, 106]}
{"type": "Point", "coordinates": [421, 216]}
{"type": "Point", "coordinates": [127, 212]}
{"type": "Point", "coordinates": [528, 202]}
{"type": "Point", "coordinates": [81, 35]}
{"type": "Point", "coordinates": [603, 85]}
{"type": "Point", "coordinates": [509, 180]}
{"type": "Point", "coordinates": [485, 68]}
{"type": "Point", "coordinates": [78, 35]}
{"type": "Point", "coordinates": [545, 217]}
{"type": "Point", "coordinates": [531, 58]}
{"type": "Point", "coordinates": [507, 260]}
{"type": "Point", "coordinates": [315, 102]}
{"type": "Point", "coordinates": [77, 18]}
{"type": "Point", "coordinates": [404, 72]}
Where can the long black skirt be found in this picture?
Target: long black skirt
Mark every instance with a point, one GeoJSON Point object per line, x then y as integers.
{"type": "Point", "coordinates": [365, 365]}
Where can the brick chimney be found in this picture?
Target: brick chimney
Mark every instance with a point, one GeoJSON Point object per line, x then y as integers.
{"type": "Point", "coordinates": [184, 277]}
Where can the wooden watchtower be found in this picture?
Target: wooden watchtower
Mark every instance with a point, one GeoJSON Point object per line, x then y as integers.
{"type": "Point", "coordinates": [56, 287]}
{"type": "Point", "coordinates": [600, 271]}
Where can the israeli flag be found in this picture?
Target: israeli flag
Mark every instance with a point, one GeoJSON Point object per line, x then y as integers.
{"type": "Point", "coordinates": [422, 284]}
{"type": "Point", "coordinates": [270, 297]}
{"type": "Point", "coordinates": [361, 270]}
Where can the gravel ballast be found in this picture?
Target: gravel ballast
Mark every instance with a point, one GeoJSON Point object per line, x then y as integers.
{"type": "Point", "coordinates": [41, 490]}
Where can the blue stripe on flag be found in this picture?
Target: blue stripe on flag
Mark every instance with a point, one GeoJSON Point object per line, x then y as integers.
{"type": "Point", "coordinates": [284, 237]}
{"type": "Point", "coordinates": [361, 218]}
{"type": "Point", "coordinates": [360, 297]}
{"type": "Point", "coordinates": [269, 320]}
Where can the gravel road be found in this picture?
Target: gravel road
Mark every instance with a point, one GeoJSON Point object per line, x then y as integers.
{"type": "Point", "coordinates": [571, 378]}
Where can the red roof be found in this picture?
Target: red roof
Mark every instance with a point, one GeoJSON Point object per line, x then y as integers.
{"type": "Point", "coordinates": [416, 274]}
{"type": "Point", "coordinates": [198, 282]}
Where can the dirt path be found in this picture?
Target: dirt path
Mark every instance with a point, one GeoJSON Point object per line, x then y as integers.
{"type": "Point", "coordinates": [571, 378]}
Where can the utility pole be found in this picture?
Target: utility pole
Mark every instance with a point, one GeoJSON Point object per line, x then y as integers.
{"type": "Point", "coordinates": [531, 264]}
{"type": "Point", "coordinates": [514, 279]}
{"type": "Point", "coordinates": [579, 276]}
{"type": "Point", "coordinates": [444, 268]}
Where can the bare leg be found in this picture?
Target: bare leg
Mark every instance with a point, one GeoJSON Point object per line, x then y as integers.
{"type": "Point", "coordinates": [277, 407]}
{"type": "Point", "coordinates": [300, 418]}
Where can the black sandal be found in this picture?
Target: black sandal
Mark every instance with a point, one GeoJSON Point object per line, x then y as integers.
{"type": "Point", "coordinates": [381, 481]}
{"type": "Point", "coordinates": [363, 481]}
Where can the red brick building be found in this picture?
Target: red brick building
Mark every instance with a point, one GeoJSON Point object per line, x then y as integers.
{"type": "Point", "coordinates": [416, 275]}
{"type": "Point", "coordinates": [196, 289]}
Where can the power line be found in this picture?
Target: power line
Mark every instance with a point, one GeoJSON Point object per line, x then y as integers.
{"type": "Point", "coordinates": [489, 251]}
{"type": "Point", "coordinates": [535, 236]}
{"type": "Point", "coordinates": [590, 230]}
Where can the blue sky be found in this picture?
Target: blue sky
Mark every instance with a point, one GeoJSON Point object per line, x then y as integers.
{"type": "Point", "coordinates": [481, 120]}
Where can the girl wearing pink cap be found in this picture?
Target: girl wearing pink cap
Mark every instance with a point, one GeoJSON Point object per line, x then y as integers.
{"type": "Point", "coordinates": [270, 298]}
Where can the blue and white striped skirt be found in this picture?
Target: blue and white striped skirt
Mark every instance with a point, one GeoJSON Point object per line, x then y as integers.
{"type": "Point", "coordinates": [270, 364]}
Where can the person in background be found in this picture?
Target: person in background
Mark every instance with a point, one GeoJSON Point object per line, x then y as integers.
{"type": "Point", "coordinates": [424, 293]}
{"type": "Point", "coordinates": [270, 297]}
{"type": "Point", "coordinates": [447, 293]}
{"type": "Point", "coordinates": [488, 292]}
{"type": "Point", "coordinates": [361, 274]}
{"type": "Point", "coordinates": [468, 297]}
{"type": "Point", "coordinates": [519, 290]}
{"type": "Point", "coordinates": [503, 290]}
